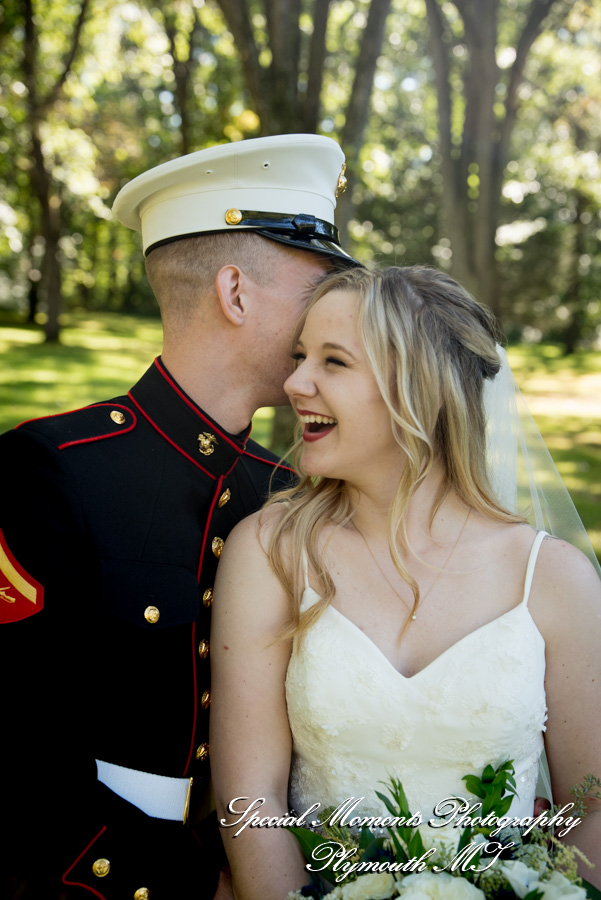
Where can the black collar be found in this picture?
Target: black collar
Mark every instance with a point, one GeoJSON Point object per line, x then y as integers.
{"type": "Point", "coordinates": [184, 425]}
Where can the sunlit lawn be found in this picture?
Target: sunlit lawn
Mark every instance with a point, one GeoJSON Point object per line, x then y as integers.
{"type": "Point", "coordinates": [101, 357]}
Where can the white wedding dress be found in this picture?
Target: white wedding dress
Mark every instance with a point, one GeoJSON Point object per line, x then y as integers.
{"type": "Point", "coordinates": [356, 720]}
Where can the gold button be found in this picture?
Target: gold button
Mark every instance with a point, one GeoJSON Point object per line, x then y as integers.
{"type": "Point", "coordinates": [233, 217]}
{"type": "Point", "coordinates": [207, 597]}
{"type": "Point", "coordinates": [142, 894]}
{"type": "Point", "coordinates": [202, 752]}
{"type": "Point", "coordinates": [151, 614]}
{"type": "Point", "coordinates": [117, 417]}
{"type": "Point", "coordinates": [224, 498]}
{"type": "Point", "coordinates": [101, 867]}
{"type": "Point", "coordinates": [205, 700]}
{"type": "Point", "coordinates": [203, 649]}
{"type": "Point", "coordinates": [217, 546]}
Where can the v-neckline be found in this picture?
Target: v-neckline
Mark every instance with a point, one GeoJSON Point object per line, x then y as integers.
{"type": "Point", "coordinates": [447, 650]}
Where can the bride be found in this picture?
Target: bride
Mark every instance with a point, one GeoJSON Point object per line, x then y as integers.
{"type": "Point", "coordinates": [387, 616]}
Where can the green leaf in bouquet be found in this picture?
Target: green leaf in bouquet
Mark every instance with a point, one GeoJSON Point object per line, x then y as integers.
{"type": "Point", "coordinates": [307, 839]}
{"type": "Point", "coordinates": [366, 839]}
{"type": "Point", "coordinates": [399, 797]}
{"type": "Point", "coordinates": [488, 774]}
{"type": "Point", "coordinates": [465, 839]}
{"type": "Point", "coordinates": [534, 895]}
{"type": "Point", "coordinates": [474, 786]}
{"type": "Point", "coordinates": [591, 891]}
{"type": "Point", "coordinates": [399, 851]}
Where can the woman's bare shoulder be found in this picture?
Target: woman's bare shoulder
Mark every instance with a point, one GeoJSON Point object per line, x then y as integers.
{"type": "Point", "coordinates": [258, 528]}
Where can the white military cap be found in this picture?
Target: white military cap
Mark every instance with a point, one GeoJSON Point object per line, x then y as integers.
{"type": "Point", "coordinates": [282, 187]}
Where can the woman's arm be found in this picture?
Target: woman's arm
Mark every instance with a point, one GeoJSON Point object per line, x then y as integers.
{"type": "Point", "coordinates": [566, 605]}
{"type": "Point", "coordinates": [250, 735]}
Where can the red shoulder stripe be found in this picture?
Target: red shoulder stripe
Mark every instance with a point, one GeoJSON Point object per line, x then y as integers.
{"type": "Point", "coordinates": [108, 434]}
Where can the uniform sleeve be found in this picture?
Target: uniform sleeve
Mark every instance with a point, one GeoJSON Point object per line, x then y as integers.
{"type": "Point", "coordinates": [47, 593]}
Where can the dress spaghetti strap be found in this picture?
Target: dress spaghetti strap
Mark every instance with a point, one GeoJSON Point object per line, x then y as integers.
{"type": "Point", "coordinates": [305, 569]}
{"type": "Point", "coordinates": [531, 564]}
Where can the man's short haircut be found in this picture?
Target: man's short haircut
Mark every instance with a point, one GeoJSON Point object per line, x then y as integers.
{"type": "Point", "coordinates": [182, 273]}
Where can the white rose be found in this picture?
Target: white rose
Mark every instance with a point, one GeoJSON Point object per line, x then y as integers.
{"type": "Point", "coordinates": [558, 886]}
{"type": "Point", "coordinates": [444, 839]}
{"type": "Point", "coordinates": [521, 878]}
{"type": "Point", "coordinates": [428, 886]}
{"type": "Point", "coordinates": [374, 886]}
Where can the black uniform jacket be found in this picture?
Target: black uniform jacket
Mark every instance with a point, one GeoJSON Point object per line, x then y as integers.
{"type": "Point", "coordinates": [112, 519]}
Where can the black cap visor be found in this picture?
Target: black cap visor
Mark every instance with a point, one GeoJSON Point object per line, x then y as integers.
{"type": "Point", "coordinates": [301, 231]}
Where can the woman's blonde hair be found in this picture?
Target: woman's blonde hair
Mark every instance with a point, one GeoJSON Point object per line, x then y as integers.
{"type": "Point", "coordinates": [430, 346]}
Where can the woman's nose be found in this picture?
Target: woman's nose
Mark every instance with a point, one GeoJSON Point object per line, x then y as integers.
{"type": "Point", "coordinates": [300, 383]}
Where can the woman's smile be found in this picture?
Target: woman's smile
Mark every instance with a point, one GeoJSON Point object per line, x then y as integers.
{"type": "Point", "coordinates": [316, 424]}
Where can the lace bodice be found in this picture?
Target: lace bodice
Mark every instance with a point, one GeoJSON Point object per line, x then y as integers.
{"type": "Point", "coordinates": [356, 720]}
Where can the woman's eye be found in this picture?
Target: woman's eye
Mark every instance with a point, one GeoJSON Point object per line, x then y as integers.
{"type": "Point", "coordinates": [297, 357]}
{"type": "Point", "coordinates": [334, 361]}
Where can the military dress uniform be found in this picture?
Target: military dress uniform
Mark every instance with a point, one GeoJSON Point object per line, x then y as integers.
{"type": "Point", "coordinates": [112, 522]}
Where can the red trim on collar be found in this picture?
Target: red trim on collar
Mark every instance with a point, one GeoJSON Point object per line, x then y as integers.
{"type": "Point", "coordinates": [101, 437]}
{"type": "Point", "coordinates": [86, 887]}
{"type": "Point", "coordinates": [168, 439]}
{"type": "Point", "coordinates": [196, 409]}
{"type": "Point", "coordinates": [269, 462]}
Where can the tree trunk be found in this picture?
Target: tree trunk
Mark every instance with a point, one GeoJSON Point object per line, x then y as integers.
{"type": "Point", "coordinates": [471, 216]}
{"type": "Point", "coordinates": [41, 181]}
{"type": "Point", "coordinates": [357, 111]}
{"type": "Point", "coordinates": [49, 202]}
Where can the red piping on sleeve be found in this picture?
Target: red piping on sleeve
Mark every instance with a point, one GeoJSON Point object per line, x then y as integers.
{"type": "Point", "coordinates": [86, 887]}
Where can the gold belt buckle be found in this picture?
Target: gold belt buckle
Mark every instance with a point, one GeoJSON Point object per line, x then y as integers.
{"type": "Point", "coordinates": [187, 804]}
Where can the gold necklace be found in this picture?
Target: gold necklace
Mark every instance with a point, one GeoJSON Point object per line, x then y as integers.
{"type": "Point", "coordinates": [440, 571]}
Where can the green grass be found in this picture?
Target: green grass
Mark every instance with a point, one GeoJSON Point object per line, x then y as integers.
{"type": "Point", "coordinates": [98, 358]}
{"type": "Point", "coordinates": [101, 356]}
{"type": "Point", "coordinates": [564, 396]}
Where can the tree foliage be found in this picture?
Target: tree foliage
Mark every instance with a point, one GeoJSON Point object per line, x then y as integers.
{"type": "Point", "coordinates": [471, 130]}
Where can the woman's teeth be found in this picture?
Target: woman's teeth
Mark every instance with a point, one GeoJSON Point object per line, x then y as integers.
{"type": "Point", "coordinates": [320, 420]}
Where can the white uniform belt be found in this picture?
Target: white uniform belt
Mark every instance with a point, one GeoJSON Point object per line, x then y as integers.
{"type": "Point", "coordinates": [158, 796]}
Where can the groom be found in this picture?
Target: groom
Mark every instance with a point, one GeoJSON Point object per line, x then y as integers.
{"type": "Point", "coordinates": [112, 522]}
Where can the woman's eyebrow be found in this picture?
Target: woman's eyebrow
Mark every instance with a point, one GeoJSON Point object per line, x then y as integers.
{"type": "Point", "coordinates": [331, 346]}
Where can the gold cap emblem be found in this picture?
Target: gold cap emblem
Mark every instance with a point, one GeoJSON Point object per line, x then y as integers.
{"type": "Point", "coordinates": [233, 217]}
{"type": "Point", "coordinates": [117, 417]}
{"type": "Point", "coordinates": [206, 443]}
{"type": "Point", "coordinates": [342, 181]}
{"type": "Point", "coordinates": [152, 614]}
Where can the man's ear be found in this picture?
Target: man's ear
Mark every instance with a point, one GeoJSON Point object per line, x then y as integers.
{"type": "Point", "coordinates": [231, 285]}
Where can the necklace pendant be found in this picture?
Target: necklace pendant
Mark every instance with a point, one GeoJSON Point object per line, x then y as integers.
{"type": "Point", "coordinates": [414, 617]}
